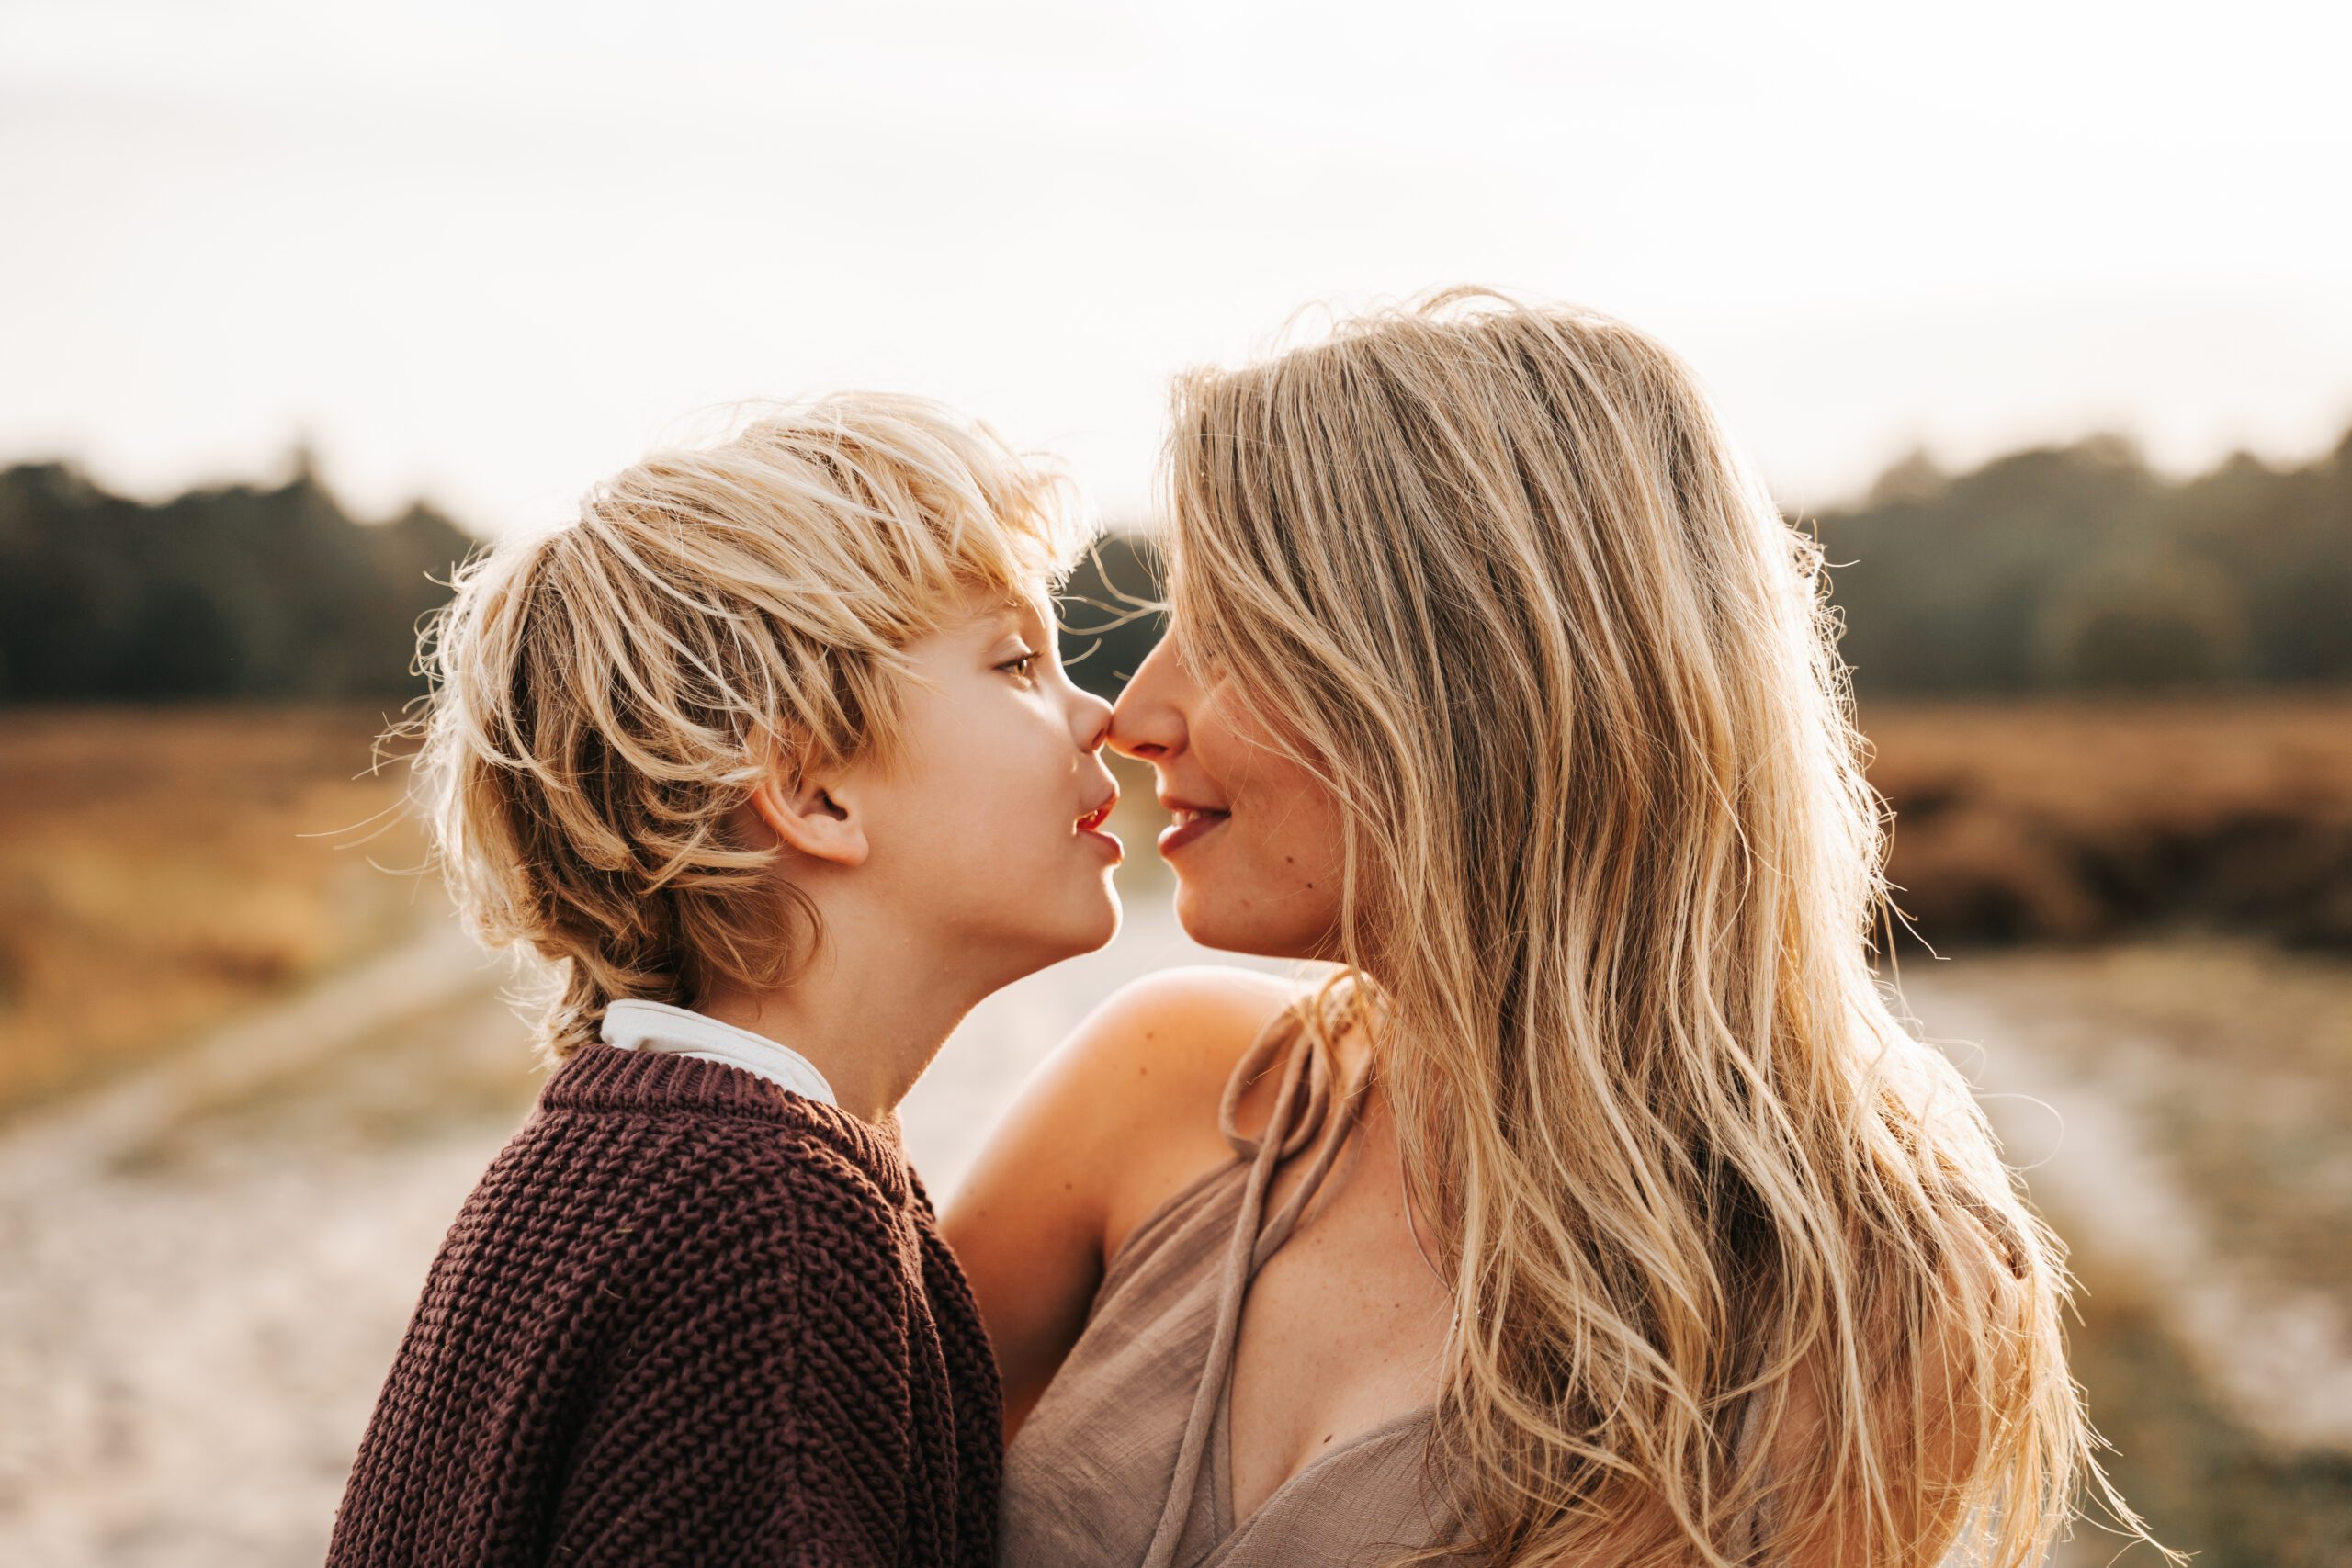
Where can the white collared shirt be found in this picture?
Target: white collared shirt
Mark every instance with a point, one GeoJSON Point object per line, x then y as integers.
{"type": "Point", "coordinates": [657, 1026]}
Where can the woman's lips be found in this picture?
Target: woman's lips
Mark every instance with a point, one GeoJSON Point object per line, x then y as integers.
{"type": "Point", "coordinates": [1190, 824]}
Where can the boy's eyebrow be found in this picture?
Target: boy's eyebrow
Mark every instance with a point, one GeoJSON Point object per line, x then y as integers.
{"type": "Point", "coordinates": [1019, 613]}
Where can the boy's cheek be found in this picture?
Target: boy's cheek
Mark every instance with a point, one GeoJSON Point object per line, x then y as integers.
{"type": "Point", "coordinates": [984, 817]}
{"type": "Point", "coordinates": [951, 840]}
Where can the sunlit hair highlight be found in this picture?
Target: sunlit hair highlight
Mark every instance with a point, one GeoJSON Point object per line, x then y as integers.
{"type": "Point", "coordinates": [1741, 1276]}
{"type": "Point", "coordinates": [605, 696]}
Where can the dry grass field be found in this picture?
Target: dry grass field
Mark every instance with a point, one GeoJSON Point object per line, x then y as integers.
{"type": "Point", "coordinates": [2075, 821]}
{"type": "Point", "coordinates": [162, 869]}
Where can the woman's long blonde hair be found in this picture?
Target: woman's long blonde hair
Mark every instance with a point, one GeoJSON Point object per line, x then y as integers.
{"type": "Point", "coordinates": [1739, 1270]}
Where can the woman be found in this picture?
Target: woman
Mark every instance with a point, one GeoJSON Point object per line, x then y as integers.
{"type": "Point", "coordinates": [1599, 1210]}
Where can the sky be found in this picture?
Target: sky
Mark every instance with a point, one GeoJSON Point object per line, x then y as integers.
{"type": "Point", "coordinates": [490, 252]}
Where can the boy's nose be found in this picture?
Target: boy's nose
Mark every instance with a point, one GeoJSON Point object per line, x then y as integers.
{"type": "Point", "coordinates": [1094, 722]}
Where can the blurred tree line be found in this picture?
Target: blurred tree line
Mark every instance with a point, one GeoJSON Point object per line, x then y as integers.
{"type": "Point", "coordinates": [2078, 569]}
{"type": "Point", "coordinates": [2062, 568]}
{"type": "Point", "coordinates": [241, 591]}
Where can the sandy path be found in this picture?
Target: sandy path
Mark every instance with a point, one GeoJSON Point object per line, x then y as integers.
{"type": "Point", "coordinates": [89, 1133]}
{"type": "Point", "coordinates": [2280, 1357]}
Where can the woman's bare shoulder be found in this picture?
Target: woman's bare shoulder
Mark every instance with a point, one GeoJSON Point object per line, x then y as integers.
{"type": "Point", "coordinates": [1161, 1051]}
{"type": "Point", "coordinates": [1122, 1114]}
{"type": "Point", "coordinates": [1189, 1025]}
{"type": "Point", "coordinates": [1170, 1040]}
{"type": "Point", "coordinates": [1136, 1083]}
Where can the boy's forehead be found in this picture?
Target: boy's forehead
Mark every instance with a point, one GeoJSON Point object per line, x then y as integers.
{"type": "Point", "coordinates": [1018, 603]}
{"type": "Point", "coordinates": [996, 607]}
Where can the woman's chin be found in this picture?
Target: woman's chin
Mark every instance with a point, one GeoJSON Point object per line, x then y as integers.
{"type": "Point", "coordinates": [1213, 927]}
{"type": "Point", "coordinates": [1198, 922]}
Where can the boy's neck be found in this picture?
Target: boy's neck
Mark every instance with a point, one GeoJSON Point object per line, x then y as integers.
{"type": "Point", "coordinates": [870, 1019]}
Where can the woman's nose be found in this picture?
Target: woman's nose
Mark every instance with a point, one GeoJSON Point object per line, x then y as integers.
{"type": "Point", "coordinates": [1146, 723]}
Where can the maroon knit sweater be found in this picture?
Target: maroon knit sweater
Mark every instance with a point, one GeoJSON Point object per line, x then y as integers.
{"type": "Point", "coordinates": [685, 1318]}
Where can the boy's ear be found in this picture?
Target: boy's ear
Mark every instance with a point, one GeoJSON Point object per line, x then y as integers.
{"type": "Point", "coordinates": [811, 817]}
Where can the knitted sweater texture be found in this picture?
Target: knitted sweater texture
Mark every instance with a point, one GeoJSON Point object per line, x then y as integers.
{"type": "Point", "coordinates": [685, 1318]}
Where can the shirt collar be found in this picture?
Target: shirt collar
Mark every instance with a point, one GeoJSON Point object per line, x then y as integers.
{"type": "Point", "coordinates": [634, 1025]}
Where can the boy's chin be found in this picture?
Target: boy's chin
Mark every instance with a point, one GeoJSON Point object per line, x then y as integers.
{"type": "Point", "coordinates": [1104, 927]}
{"type": "Point", "coordinates": [1017, 953]}
{"type": "Point", "coordinates": [1092, 931]}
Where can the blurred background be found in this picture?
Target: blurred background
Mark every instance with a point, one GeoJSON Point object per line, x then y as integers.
{"type": "Point", "coordinates": [2041, 315]}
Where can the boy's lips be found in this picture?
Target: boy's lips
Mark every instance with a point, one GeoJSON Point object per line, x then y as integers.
{"type": "Point", "coordinates": [1093, 821]}
{"type": "Point", "coordinates": [1090, 826]}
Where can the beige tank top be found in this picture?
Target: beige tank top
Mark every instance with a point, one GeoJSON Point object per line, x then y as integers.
{"type": "Point", "coordinates": [1127, 1458]}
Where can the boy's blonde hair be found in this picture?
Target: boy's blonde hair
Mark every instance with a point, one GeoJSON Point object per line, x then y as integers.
{"type": "Point", "coordinates": [605, 697]}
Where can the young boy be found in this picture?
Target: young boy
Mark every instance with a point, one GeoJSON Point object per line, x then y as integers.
{"type": "Point", "coordinates": [770, 757]}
